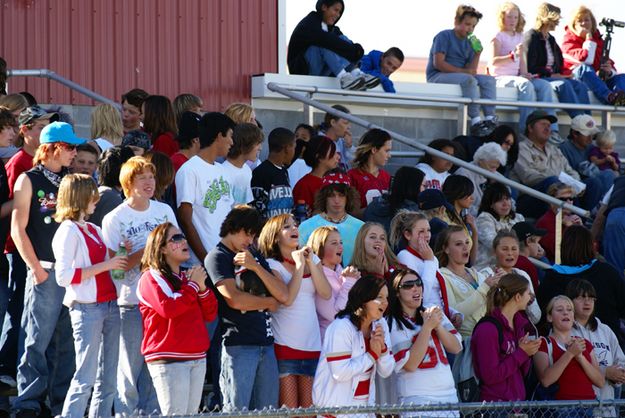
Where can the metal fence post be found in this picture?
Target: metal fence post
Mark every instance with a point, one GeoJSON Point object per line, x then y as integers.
{"type": "Point", "coordinates": [606, 119]}
{"type": "Point", "coordinates": [463, 116]}
{"type": "Point", "coordinates": [309, 111]}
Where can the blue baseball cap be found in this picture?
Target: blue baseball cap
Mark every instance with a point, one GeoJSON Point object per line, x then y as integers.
{"type": "Point", "coordinates": [59, 132]}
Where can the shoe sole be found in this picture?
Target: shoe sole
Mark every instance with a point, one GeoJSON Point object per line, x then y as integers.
{"type": "Point", "coordinates": [354, 85]}
{"type": "Point", "coordinates": [372, 83]}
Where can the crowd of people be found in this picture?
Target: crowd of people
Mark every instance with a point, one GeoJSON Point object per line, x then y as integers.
{"type": "Point", "coordinates": [162, 253]}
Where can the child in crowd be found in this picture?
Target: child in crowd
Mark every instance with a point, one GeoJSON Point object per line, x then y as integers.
{"type": "Point", "coordinates": [368, 177]}
{"type": "Point", "coordinates": [188, 138]}
{"type": "Point", "coordinates": [270, 180]}
{"type": "Point", "coordinates": [106, 126]}
{"type": "Point", "coordinates": [602, 154]}
{"type": "Point", "coordinates": [458, 191]}
{"type": "Point", "coordinates": [372, 254]}
{"type": "Point", "coordinates": [159, 121]}
{"type": "Point", "coordinates": [294, 324]}
{"type": "Point", "coordinates": [356, 348]}
{"type": "Point", "coordinates": [382, 65]}
{"type": "Point", "coordinates": [187, 102]}
{"type": "Point", "coordinates": [132, 109]}
{"type": "Point", "coordinates": [420, 338]}
{"type": "Point", "coordinates": [326, 243]}
{"type": "Point", "coordinates": [85, 160]}
{"type": "Point", "coordinates": [454, 58]}
{"type": "Point", "coordinates": [436, 169]}
{"type": "Point", "coordinates": [247, 139]}
{"type": "Point", "coordinates": [298, 167]}
{"type": "Point", "coordinates": [175, 307]}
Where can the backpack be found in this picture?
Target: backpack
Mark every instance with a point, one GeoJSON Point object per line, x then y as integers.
{"type": "Point", "coordinates": [467, 383]}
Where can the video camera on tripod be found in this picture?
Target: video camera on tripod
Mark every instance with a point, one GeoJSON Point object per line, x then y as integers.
{"type": "Point", "coordinates": [609, 24]}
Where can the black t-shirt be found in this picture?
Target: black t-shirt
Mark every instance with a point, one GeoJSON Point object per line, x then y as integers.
{"type": "Point", "coordinates": [272, 190]}
{"type": "Point", "coordinates": [240, 328]}
{"type": "Point", "coordinates": [4, 197]}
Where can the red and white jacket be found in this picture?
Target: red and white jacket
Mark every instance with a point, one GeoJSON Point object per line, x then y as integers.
{"type": "Point", "coordinates": [174, 321]}
{"type": "Point", "coordinates": [346, 371]}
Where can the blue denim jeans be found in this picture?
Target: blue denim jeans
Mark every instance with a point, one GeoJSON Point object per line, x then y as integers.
{"type": "Point", "coordinates": [135, 391]}
{"type": "Point", "coordinates": [179, 386]}
{"type": "Point", "coordinates": [13, 316]}
{"type": "Point", "coordinates": [249, 377]}
{"type": "Point", "coordinates": [473, 87]}
{"type": "Point", "coordinates": [46, 351]}
{"type": "Point", "coordinates": [570, 91]}
{"type": "Point", "coordinates": [96, 342]}
{"type": "Point", "coordinates": [324, 62]}
{"type": "Point", "coordinates": [601, 89]}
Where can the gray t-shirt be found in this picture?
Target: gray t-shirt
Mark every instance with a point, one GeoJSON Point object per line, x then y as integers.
{"type": "Point", "coordinates": [458, 52]}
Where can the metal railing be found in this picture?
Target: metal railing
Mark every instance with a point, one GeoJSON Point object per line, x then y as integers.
{"type": "Point", "coordinates": [285, 90]}
{"type": "Point", "coordinates": [49, 74]}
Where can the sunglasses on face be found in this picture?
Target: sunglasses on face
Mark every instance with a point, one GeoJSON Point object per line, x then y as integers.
{"type": "Point", "coordinates": [411, 283]}
{"type": "Point", "coordinates": [177, 238]}
{"type": "Point", "coordinates": [67, 147]}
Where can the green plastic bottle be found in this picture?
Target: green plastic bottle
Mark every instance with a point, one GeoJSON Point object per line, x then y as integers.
{"type": "Point", "coordinates": [475, 43]}
{"type": "Point", "coordinates": [119, 274]}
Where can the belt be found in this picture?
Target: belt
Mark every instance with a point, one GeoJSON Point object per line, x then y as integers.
{"type": "Point", "coordinates": [48, 265]}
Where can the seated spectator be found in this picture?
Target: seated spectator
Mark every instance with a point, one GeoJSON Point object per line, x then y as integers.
{"type": "Point", "coordinates": [106, 126]}
{"type": "Point", "coordinates": [372, 253]}
{"type": "Point", "coordinates": [568, 361]}
{"type": "Point", "coordinates": [110, 189]}
{"type": "Point", "coordinates": [403, 195]}
{"type": "Point", "coordinates": [436, 169]}
{"type": "Point", "coordinates": [495, 214]}
{"type": "Point", "coordinates": [319, 154]}
{"type": "Point", "coordinates": [326, 243]}
{"type": "Point", "coordinates": [298, 167]}
{"type": "Point", "coordinates": [607, 349]}
{"type": "Point", "coordinates": [458, 191]}
{"type": "Point", "coordinates": [547, 222]}
{"type": "Point", "coordinates": [159, 121]}
{"type": "Point", "coordinates": [434, 206]}
{"type": "Point", "coordinates": [348, 367]}
{"type": "Point", "coordinates": [490, 157]}
{"type": "Point", "coordinates": [420, 338]}
{"type": "Point", "coordinates": [382, 65]}
{"type": "Point", "coordinates": [188, 138]}
{"type": "Point", "coordinates": [247, 140]}
{"type": "Point", "coordinates": [506, 249]}
{"type": "Point", "coordinates": [502, 357]}
{"type": "Point", "coordinates": [85, 160]}
{"type": "Point", "coordinates": [529, 246]}
{"type": "Point", "coordinates": [339, 131]}
{"type": "Point", "coordinates": [603, 155]}
{"type": "Point", "coordinates": [318, 47]}
{"type": "Point", "coordinates": [544, 59]}
{"type": "Point", "coordinates": [580, 262]}
{"type": "Point", "coordinates": [187, 102]}
{"type": "Point", "coordinates": [368, 177]}
{"type": "Point", "coordinates": [132, 109]}
{"type": "Point", "coordinates": [466, 288]}
{"type": "Point", "coordinates": [270, 180]}
{"type": "Point", "coordinates": [508, 63]}
{"type": "Point", "coordinates": [334, 204]}
{"type": "Point", "coordinates": [582, 49]}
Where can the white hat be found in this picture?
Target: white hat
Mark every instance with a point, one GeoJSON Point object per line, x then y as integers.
{"type": "Point", "coordinates": [584, 124]}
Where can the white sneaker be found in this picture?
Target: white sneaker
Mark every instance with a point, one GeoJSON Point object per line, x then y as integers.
{"type": "Point", "coordinates": [371, 81]}
{"type": "Point", "coordinates": [350, 82]}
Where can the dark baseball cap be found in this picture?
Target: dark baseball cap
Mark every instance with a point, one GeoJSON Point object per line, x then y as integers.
{"type": "Point", "coordinates": [33, 113]}
{"type": "Point", "coordinates": [188, 126]}
{"type": "Point", "coordinates": [432, 199]}
{"type": "Point", "coordinates": [538, 115]}
{"type": "Point", "coordinates": [524, 230]}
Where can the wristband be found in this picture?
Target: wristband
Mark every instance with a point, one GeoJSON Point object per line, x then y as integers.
{"type": "Point", "coordinates": [511, 56]}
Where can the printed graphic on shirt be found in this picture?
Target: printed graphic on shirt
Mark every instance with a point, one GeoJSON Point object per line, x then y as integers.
{"type": "Point", "coordinates": [48, 205]}
{"type": "Point", "coordinates": [130, 229]}
{"type": "Point", "coordinates": [217, 189]}
{"type": "Point", "coordinates": [433, 184]}
{"type": "Point", "coordinates": [279, 200]}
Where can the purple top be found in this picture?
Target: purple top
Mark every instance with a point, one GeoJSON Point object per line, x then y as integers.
{"type": "Point", "coordinates": [596, 152]}
{"type": "Point", "coordinates": [501, 370]}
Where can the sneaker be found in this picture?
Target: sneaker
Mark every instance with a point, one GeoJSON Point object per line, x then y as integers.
{"type": "Point", "coordinates": [350, 82]}
{"type": "Point", "coordinates": [483, 128]}
{"type": "Point", "coordinates": [555, 138]}
{"type": "Point", "coordinates": [371, 81]}
{"type": "Point", "coordinates": [616, 98]}
{"type": "Point", "coordinates": [8, 380]}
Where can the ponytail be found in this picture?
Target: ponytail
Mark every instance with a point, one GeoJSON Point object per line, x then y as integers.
{"type": "Point", "coordinates": [508, 287]}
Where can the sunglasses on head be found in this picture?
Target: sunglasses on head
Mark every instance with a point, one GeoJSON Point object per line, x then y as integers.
{"type": "Point", "coordinates": [177, 238]}
{"type": "Point", "coordinates": [409, 284]}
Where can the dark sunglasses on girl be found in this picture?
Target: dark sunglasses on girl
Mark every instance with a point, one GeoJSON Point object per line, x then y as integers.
{"type": "Point", "coordinates": [177, 238]}
{"type": "Point", "coordinates": [409, 284]}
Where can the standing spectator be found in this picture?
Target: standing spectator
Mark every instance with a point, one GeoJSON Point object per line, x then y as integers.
{"type": "Point", "coordinates": [298, 167]}
{"type": "Point", "coordinates": [356, 348]}
{"type": "Point", "coordinates": [83, 268]}
{"type": "Point", "coordinates": [339, 130]}
{"type": "Point", "coordinates": [107, 129]}
{"type": "Point", "coordinates": [453, 59]}
{"type": "Point", "coordinates": [368, 177]}
{"type": "Point", "coordinates": [382, 65]}
{"type": "Point", "coordinates": [132, 109]}
{"type": "Point", "coordinates": [529, 246]}
{"type": "Point", "coordinates": [188, 138]}
{"type": "Point", "coordinates": [372, 254]}
{"type": "Point", "coordinates": [187, 102]}
{"type": "Point", "coordinates": [458, 191]}
{"type": "Point", "coordinates": [334, 204]}
{"type": "Point", "coordinates": [247, 292]}
{"type": "Point", "coordinates": [85, 160]}
{"type": "Point", "coordinates": [175, 307]}
{"type": "Point", "coordinates": [163, 192]}
{"type": "Point", "coordinates": [436, 169]}
{"type": "Point", "coordinates": [247, 139]}
{"type": "Point", "coordinates": [241, 113]}
{"type": "Point", "coordinates": [130, 224]}
{"type": "Point", "coordinates": [582, 49]}
{"type": "Point", "coordinates": [45, 319]}
{"type": "Point", "coordinates": [294, 325]}
{"type": "Point", "coordinates": [270, 180]}
{"type": "Point", "coordinates": [203, 192]}
{"type": "Point", "coordinates": [159, 121]}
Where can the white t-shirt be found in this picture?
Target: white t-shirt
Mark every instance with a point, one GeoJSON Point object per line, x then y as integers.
{"type": "Point", "coordinates": [433, 179]}
{"type": "Point", "coordinates": [207, 188]}
{"type": "Point", "coordinates": [297, 170]}
{"type": "Point", "coordinates": [296, 326]}
{"type": "Point", "coordinates": [104, 144]}
{"type": "Point", "coordinates": [240, 181]}
{"type": "Point", "coordinates": [125, 223]}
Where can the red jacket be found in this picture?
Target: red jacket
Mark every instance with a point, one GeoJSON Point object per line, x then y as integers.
{"type": "Point", "coordinates": [574, 51]}
{"type": "Point", "coordinates": [174, 321]}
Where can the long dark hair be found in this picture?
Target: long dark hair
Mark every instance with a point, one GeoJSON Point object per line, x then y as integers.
{"type": "Point", "coordinates": [365, 289]}
{"type": "Point", "coordinates": [316, 148]}
{"type": "Point", "coordinates": [494, 193]}
{"type": "Point", "coordinates": [577, 246]}
{"type": "Point", "coordinates": [159, 116]}
{"type": "Point", "coordinates": [581, 287]}
{"type": "Point", "coordinates": [499, 135]}
{"type": "Point", "coordinates": [372, 139]}
{"type": "Point", "coordinates": [406, 185]}
{"type": "Point", "coordinates": [395, 311]}
{"type": "Point", "coordinates": [154, 258]}
{"type": "Point", "coordinates": [457, 187]}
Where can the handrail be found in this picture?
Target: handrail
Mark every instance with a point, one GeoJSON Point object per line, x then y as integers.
{"type": "Point", "coordinates": [45, 73]}
{"type": "Point", "coordinates": [413, 143]}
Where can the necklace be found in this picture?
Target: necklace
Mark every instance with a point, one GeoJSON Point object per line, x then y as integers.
{"type": "Point", "coordinates": [289, 261]}
{"type": "Point", "coordinates": [334, 221]}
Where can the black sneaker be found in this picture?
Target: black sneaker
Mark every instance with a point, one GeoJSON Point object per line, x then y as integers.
{"type": "Point", "coordinates": [350, 82]}
{"type": "Point", "coordinates": [483, 128]}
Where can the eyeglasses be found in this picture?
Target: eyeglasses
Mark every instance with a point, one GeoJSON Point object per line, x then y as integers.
{"type": "Point", "coordinates": [565, 199]}
{"type": "Point", "coordinates": [67, 147]}
{"type": "Point", "coordinates": [177, 238]}
{"type": "Point", "coordinates": [586, 298]}
{"type": "Point", "coordinates": [411, 283]}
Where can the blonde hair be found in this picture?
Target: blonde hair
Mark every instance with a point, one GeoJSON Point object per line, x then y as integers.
{"type": "Point", "coordinates": [14, 102]}
{"type": "Point", "coordinates": [268, 238]}
{"type": "Point", "coordinates": [318, 238]}
{"type": "Point", "coordinates": [131, 169]}
{"type": "Point", "coordinates": [404, 221]}
{"type": "Point", "coordinates": [578, 14]}
{"type": "Point", "coordinates": [240, 112]}
{"type": "Point", "coordinates": [75, 193]}
{"type": "Point", "coordinates": [185, 102]}
{"type": "Point", "coordinates": [546, 13]}
{"type": "Point", "coordinates": [552, 302]}
{"type": "Point", "coordinates": [606, 138]}
{"type": "Point", "coordinates": [359, 256]}
{"type": "Point", "coordinates": [501, 15]}
{"type": "Point", "coordinates": [106, 122]}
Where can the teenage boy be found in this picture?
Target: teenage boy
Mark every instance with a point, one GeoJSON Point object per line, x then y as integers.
{"type": "Point", "coordinates": [270, 180]}
{"type": "Point", "coordinates": [247, 140]}
{"type": "Point", "coordinates": [45, 321]}
{"type": "Point", "coordinates": [132, 115]}
{"type": "Point", "coordinates": [86, 160]}
{"type": "Point", "coordinates": [130, 224]}
{"type": "Point", "coordinates": [382, 65]}
{"type": "Point", "coordinates": [188, 138]}
{"type": "Point", "coordinates": [203, 192]}
{"type": "Point", "coordinates": [249, 370]}
{"type": "Point", "coordinates": [453, 60]}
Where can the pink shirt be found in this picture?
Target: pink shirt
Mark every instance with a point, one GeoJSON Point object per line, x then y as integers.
{"type": "Point", "coordinates": [327, 309]}
{"type": "Point", "coordinates": [507, 44]}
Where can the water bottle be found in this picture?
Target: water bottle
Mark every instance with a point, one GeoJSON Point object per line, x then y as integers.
{"type": "Point", "coordinates": [301, 211]}
{"type": "Point", "coordinates": [119, 274]}
{"type": "Point", "coordinates": [475, 43]}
